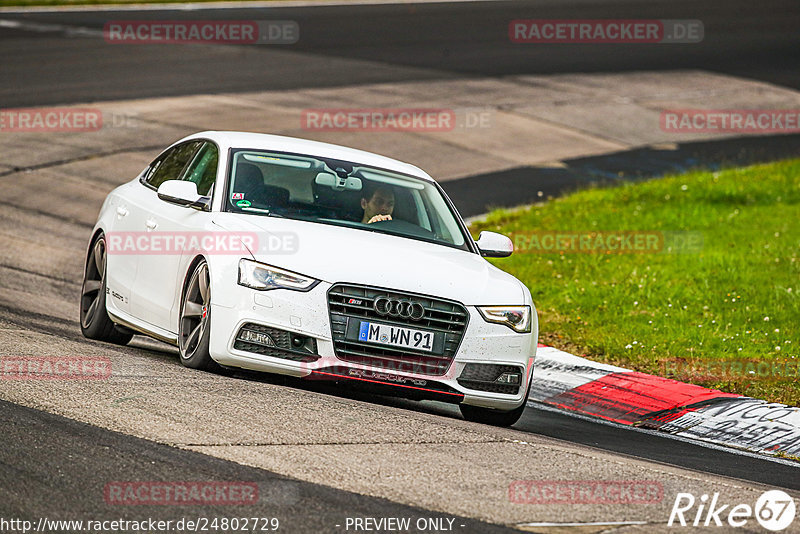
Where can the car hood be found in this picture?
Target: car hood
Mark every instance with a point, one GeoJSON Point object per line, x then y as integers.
{"type": "Point", "coordinates": [338, 254]}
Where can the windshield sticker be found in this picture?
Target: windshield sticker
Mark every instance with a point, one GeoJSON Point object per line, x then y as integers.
{"type": "Point", "coordinates": [243, 203]}
{"type": "Point", "coordinates": [237, 196]}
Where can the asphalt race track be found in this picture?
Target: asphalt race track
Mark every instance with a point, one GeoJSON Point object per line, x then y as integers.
{"type": "Point", "coordinates": [90, 457]}
{"type": "Point", "coordinates": [319, 454]}
{"type": "Point", "coordinates": [384, 43]}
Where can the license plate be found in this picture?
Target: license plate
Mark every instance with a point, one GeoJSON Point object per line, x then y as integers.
{"type": "Point", "coordinates": [396, 336]}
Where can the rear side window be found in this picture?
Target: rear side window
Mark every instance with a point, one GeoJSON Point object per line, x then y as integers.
{"type": "Point", "coordinates": [203, 169]}
{"type": "Point", "coordinates": [170, 165]}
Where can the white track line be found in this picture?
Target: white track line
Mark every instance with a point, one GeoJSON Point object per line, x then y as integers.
{"type": "Point", "coordinates": [41, 27]}
{"type": "Point", "coordinates": [197, 6]}
{"type": "Point", "coordinates": [592, 524]}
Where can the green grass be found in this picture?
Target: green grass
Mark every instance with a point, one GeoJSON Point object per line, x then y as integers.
{"type": "Point", "coordinates": [737, 299]}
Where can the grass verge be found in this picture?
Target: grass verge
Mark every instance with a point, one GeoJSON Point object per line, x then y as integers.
{"type": "Point", "coordinates": [722, 312]}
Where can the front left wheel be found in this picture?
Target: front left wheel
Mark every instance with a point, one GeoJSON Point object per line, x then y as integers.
{"type": "Point", "coordinates": [95, 322]}
{"type": "Point", "coordinates": [194, 328]}
{"type": "Point", "coordinates": [489, 416]}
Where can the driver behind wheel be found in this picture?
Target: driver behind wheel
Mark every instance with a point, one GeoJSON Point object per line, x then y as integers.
{"type": "Point", "coordinates": [377, 203]}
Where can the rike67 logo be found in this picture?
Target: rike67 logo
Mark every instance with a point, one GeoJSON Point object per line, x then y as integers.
{"type": "Point", "coordinates": [774, 510]}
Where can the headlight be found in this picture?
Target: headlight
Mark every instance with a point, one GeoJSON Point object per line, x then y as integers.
{"type": "Point", "coordinates": [262, 277]}
{"type": "Point", "coordinates": [518, 318]}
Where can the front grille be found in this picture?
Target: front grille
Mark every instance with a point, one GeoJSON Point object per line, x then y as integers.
{"type": "Point", "coordinates": [444, 317]}
{"type": "Point", "coordinates": [283, 348]}
{"type": "Point", "coordinates": [482, 377]}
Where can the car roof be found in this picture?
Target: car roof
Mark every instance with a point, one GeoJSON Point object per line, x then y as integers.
{"type": "Point", "coordinates": [280, 143]}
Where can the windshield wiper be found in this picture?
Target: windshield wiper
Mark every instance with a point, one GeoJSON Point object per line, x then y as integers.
{"type": "Point", "coordinates": [268, 213]}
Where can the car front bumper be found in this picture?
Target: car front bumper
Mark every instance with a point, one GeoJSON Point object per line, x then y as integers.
{"type": "Point", "coordinates": [307, 314]}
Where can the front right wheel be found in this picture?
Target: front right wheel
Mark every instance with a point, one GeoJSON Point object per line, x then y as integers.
{"type": "Point", "coordinates": [194, 328]}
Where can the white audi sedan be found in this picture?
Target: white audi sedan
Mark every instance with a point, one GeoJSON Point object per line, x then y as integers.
{"type": "Point", "coordinates": [313, 260]}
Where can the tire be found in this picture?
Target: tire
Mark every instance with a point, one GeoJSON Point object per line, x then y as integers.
{"type": "Point", "coordinates": [194, 325]}
{"type": "Point", "coordinates": [95, 322]}
{"type": "Point", "coordinates": [490, 416]}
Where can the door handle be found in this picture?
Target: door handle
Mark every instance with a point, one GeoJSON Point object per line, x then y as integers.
{"type": "Point", "coordinates": [151, 224]}
{"type": "Point", "coordinates": [122, 211]}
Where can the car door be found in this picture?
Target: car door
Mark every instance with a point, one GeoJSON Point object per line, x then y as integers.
{"type": "Point", "coordinates": [122, 257]}
{"type": "Point", "coordinates": [142, 204]}
{"type": "Point", "coordinates": [160, 273]}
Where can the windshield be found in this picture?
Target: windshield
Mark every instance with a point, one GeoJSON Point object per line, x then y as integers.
{"type": "Point", "coordinates": [340, 193]}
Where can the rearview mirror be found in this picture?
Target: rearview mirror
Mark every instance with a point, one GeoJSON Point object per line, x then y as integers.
{"type": "Point", "coordinates": [338, 183]}
{"type": "Point", "coordinates": [183, 193]}
{"type": "Point", "coordinates": [494, 245]}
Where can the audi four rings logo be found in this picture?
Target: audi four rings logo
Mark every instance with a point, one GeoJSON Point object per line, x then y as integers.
{"type": "Point", "coordinates": [406, 309]}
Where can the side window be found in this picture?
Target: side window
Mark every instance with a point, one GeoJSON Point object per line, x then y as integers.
{"type": "Point", "coordinates": [170, 165]}
{"type": "Point", "coordinates": [203, 169]}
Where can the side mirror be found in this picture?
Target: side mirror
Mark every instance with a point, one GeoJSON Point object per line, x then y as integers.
{"type": "Point", "coordinates": [183, 193]}
{"type": "Point", "coordinates": [494, 245]}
